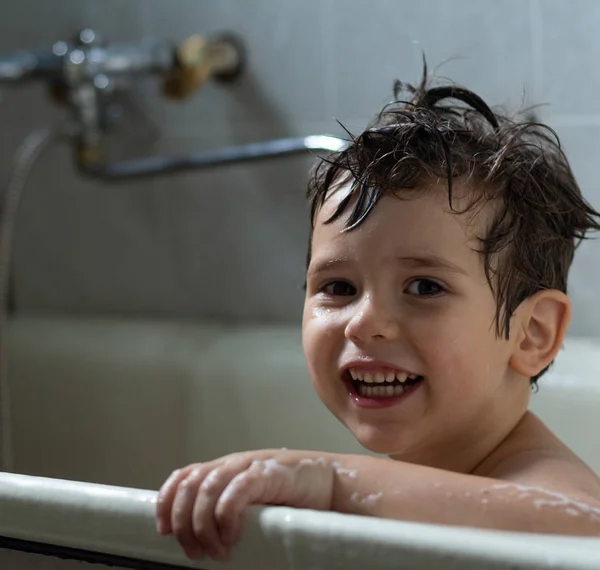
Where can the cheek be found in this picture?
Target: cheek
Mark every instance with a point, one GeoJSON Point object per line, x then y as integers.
{"type": "Point", "coordinates": [313, 331]}
{"type": "Point", "coordinates": [321, 336]}
{"type": "Point", "coordinates": [444, 347]}
{"type": "Point", "coordinates": [458, 341]}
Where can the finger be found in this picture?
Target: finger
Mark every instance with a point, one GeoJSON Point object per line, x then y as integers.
{"type": "Point", "coordinates": [181, 513]}
{"type": "Point", "coordinates": [249, 487]}
{"type": "Point", "coordinates": [166, 496]}
{"type": "Point", "coordinates": [204, 522]}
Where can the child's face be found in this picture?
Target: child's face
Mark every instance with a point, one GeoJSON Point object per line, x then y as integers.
{"type": "Point", "coordinates": [405, 292]}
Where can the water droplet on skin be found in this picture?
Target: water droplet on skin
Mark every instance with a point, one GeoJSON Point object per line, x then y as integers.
{"type": "Point", "coordinates": [319, 312]}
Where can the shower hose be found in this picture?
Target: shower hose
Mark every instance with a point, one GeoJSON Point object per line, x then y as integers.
{"type": "Point", "coordinates": [27, 154]}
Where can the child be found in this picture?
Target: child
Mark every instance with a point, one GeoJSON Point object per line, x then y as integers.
{"type": "Point", "coordinates": [435, 298]}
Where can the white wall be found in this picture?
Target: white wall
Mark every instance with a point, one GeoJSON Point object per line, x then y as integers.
{"type": "Point", "coordinates": [231, 243]}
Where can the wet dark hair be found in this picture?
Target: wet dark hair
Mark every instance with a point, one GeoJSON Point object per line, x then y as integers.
{"type": "Point", "coordinates": [449, 133]}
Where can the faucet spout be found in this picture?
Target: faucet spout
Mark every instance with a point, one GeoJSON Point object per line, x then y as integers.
{"type": "Point", "coordinates": [158, 165]}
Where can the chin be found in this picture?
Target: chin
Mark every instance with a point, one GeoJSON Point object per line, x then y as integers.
{"type": "Point", "coordinates": [379, 441]}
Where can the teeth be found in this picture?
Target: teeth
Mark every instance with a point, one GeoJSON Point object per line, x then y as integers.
{"type": "Point", "coordinates": [379, 378]}
{"type": "Point", "coordinates": [380, 391]}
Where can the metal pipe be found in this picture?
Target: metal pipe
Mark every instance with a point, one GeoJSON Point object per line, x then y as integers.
{"type": "Point", "coordinates": [221, 57]}
{"type": "Point", "coordinates": [157, 165]}
{"type": "Point", "coordinates": [25, 65]}
{"type": "Point", "coordinates": [148, 57]}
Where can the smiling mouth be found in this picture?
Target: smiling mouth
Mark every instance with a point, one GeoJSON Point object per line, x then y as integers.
{"type": "Point", "coordinates": [379, 385]}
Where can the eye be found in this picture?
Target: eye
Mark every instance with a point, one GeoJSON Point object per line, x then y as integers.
{"type": "Point", "coordinates": [425, 288]}
{"type": "Point", "coordinates": [339, 289]}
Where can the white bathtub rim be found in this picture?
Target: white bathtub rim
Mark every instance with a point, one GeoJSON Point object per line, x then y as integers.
{"type": "Point", "coordinates": [58, 512]}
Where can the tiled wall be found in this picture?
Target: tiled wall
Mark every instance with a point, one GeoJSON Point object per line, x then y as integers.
{"type": "Point", "coordinates": [231, 243]}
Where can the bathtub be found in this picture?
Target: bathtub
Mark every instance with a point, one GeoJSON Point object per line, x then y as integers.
{"type": "Point", "coordinates": [103, 409]}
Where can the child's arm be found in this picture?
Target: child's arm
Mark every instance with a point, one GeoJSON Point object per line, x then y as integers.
{"type": "Point", "coordinates": [398, 490]}
{"type": "Point", "coordinates": [203, 504]}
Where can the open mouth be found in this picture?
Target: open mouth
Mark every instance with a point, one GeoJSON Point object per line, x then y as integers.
{"type": "Point", "coordinates": [382, 384]}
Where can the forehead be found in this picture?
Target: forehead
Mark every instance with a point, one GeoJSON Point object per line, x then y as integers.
{"type": "Point", "coordinates": [417, 221]}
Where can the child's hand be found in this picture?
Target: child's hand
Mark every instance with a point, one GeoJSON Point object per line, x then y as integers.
{"type": "Point", "coordinates": [203, 503]}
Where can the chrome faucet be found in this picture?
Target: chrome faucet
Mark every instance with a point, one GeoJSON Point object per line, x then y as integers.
{"type": "Point", "coordinates": [84, 75]}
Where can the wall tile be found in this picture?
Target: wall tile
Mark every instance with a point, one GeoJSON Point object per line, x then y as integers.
{"type": "Point", "coordinates": [570, 46]}
{"type": "Point", "coordinates": [230, 243]}
{"type": "Point", "coordinates": [238, 237]}
{"type": "Point", "coordinates": [485, 46]}
{"type": "Point", "coordinates": [118, 21]}
{"type": "Point", "coordinates": [580, 145]}
{"type": "Point", "coordinates": [283, 83]}
{"type": "Point", "coordinates": [82, 247]}
{"type": "Point", "coordinates": [227, 242]}
{"type": "Point", "coordinates": [34, 24]}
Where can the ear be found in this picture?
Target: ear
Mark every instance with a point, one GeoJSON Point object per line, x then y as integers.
{"type": "Point", "coordinates": [542, 323]}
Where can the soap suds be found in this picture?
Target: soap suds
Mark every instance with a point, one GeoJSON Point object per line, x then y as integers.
{"type": "Point", "coordinates": [372, 499]}
{"type": "Point", "coordinates": [319, 461]}
{"type": "Point", "coordinates": [352, 473]}
{"type": "Point", "coordinates": [552, 499]}
{"type": "Point", "coordinates": [368, 500]}
{"type": "Point", "coordinates": [269, 466]}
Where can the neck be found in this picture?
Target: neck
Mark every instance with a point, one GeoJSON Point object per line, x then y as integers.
{"type": "Point", "coordinates": [471, 450]}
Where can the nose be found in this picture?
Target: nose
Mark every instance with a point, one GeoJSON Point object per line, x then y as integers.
{"type": "Point", "coordinates": [372, 321]}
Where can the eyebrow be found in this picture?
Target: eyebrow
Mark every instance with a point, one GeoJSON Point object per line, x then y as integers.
{"type": "Point", "coordinates": [325, 264]}
{"type": "Point", "coordinates": [412, 262]}
{"type": "Point", "coordinates": [431, 262]}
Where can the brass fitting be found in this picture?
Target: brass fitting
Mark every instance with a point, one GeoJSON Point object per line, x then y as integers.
{"type": "Point", "coordinates": [198, 59]}
{"type": "Point", "coordinates": [87, 156]}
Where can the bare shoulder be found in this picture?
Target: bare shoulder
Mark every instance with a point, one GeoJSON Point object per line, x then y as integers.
{"type": "Point", "coordinates": [532, 455]}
